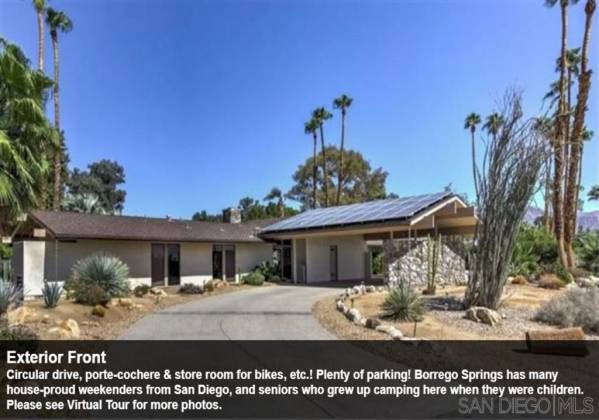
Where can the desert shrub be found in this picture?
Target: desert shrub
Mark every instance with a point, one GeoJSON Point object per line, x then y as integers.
{"type": "Point", "coordinates": [141, 290]}
{"type": "Point", "coordinates": [577, 307]}
{"type": "Point", "coordinates": [403, 304]}
{"type": "Point", "coordinates": [587, 249]}
{"type": "Point", "coordinates": [17, 332]}
{"type": "Point", "coordinates": [209, 286]}
{"type": "Point", "coordinates": [534, 249]}
{"type": "Point", "coordinates": [267, 269]}
{"type": "Point", "coordinates": [253, 279]}
{"type": "Point", "coordinates": [98, 271]}
{"type": "Point", "coordinates": [51, 293]}
{"type": "Point", "coordinates": [520, 280]}
{"type": "Point", "coordinates": [551, 281]}
{"type": "Point", "coordinates": [275, 279]}
{"type": "Point", "coordinates": [561, 271]}
{"type": "Point", "coordinates": [190, 289]}
{"type": "Point", "coordinates": [10, 295]}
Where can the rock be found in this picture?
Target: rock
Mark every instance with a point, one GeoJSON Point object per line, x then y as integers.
{"type": "Point", "coordinates": [341, 306]}
{"type": "Point", "coordinates": [484, 315]}
{"type": "Point", "coordinates": [372, 323]}
{"type": "Point", "coordinates": [138, 306]}
{"type": "Point", "coordinates": [361, 322]}
{"type": "Point", "coordinates": [384, 328]}
{"type": "Point", "coordinates": [20, 332]}
{"type": "Point", "coordinates": [21, 315]}
{"type": "Point", "coordinates": [125, 303]}
{"type": "Point", "coordinates": [519, 279]}
{"type": "Point", "coordinates": [395, 334]}
{"type": "Point", "coordinates": [72, 327]}
{"type": "Point", "coordinates": [370, 289]}
{"type": "Point", "coordinates": [99, 311]}
{"type": "Point", "coordinates": [356, 290]}
{"type": "Point", "coordinates": [158, 292]}
{"type": "Point", "coordinates": [588, 282]}
{"type": "Point", "coordinates": [354, 315]}
{"type": "Point", "coordinates": [58, 333]}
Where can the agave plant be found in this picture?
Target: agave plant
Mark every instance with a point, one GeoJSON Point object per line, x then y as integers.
{"type": "Point", "coordinates": [102, 271]}
{"type": "Point", "coordinates": [403, 304]}
{"type": "Point", "coordinates": [51, 293]}
{"type": "Point", "coordinates": [10, 294]}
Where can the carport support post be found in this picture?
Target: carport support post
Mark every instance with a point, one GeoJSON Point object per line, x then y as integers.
{"type": "Point", "coordinates": [389, 256]}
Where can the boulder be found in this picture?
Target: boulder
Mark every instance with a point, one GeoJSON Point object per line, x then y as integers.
{"type": "Point", "coordinates": [356, 290]}
{"type": "Point", "coordinates": [519, 279]}
{"type": "Point", "coordinates": [99, 311]}
{"type": "Point", "coordinates": [72, 327]}
{"type": "Point", "coordinates": [372, 323]}
{"type": "Point", "coordinates": [588, 282]}
{"type": "Point", "coordinates": [125, 303]}
{"type": "Point", "coordinates": [484, 315]}
{"type": "Point", "coordinates": [395, 334]}
{"type": "Point", "coordinates": [58, 333]}
{"type": "Point", "coordinates": [370, 289]}
{"type": "Point", "coordinates": [21, 315]}
{"type": "Point", "coordinates": [341, 306]}
{"type": "Point", "coordinates": [354, 315]}
{"type": "Point", "coordinates": [46, 319]}
{"type": "Point", "coordinates": [384, 328]}
{"type": "Point", "coordinates": [158, 292]}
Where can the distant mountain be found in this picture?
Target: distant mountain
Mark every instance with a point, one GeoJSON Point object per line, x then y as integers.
{"type": "Point", "coordinates": [586, 221]}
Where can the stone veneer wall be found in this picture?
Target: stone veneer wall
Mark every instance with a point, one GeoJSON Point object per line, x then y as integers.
{"type": "Point", "coordinates": [407, 260]}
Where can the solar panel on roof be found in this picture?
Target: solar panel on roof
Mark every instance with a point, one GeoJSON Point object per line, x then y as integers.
{"type": "Point", "coordinates": [373, 211]}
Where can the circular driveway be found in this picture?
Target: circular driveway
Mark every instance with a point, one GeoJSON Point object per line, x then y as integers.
{"type": "Point", "coordinates": [263, 313]}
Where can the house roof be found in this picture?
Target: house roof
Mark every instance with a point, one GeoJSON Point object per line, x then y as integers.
{"type": "Point", "coordinates": [66, 225]}
{"type": "Point", "coordinates": [400, 210]}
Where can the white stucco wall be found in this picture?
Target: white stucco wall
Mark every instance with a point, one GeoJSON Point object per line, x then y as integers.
{"type": "Point", "coordinates": [28, 265]}
{"type": "Point", "coordinates": [250, 255]}
{"type": "Point", "coordinates": [350, 256]}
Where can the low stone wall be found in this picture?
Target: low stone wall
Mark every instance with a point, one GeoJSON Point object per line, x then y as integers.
{"type": "Point", "coordinates": [407, 261]}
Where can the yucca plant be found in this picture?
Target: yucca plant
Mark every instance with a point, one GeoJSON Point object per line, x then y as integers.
{"type": "Point", "coordinates": [403, 304]}
{"type": "Point", "coordinates": [10, 294]}
{"type": "Point", "coordinates": [100, 270]}
{"type": "Point", "coordinates": [51, 293]}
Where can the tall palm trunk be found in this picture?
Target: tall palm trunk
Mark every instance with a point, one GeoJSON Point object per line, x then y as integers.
{"type": "Point", "coordinates": [558, 215]}
{"type": "Point", "coordinates": [325, 173]}
{"type": "Point", "coordinates": [58, 151]}
{"type": "Point", "coordinates": [584, 85]}
{"type": "Point", "coordinates": [340, 173]}
{"type": "Point", "coordinates": [474, 177]}
{"type": "Point", "coordinates": [547, 196]}
{"type": "Point", "coordinates": [314, 171]}
{"type": "Point", "coordinates": [43, 199]}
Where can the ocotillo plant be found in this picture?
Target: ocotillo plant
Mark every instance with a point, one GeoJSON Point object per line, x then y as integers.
{"type": "Point", "coordinates": [434, 249]}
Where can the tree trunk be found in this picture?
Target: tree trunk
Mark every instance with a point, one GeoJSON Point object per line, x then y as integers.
{"type": "Point", "coordinates": [40, 40]}
{"type": "Point", "coordinates": [58, 151]}
{"type": "Point", "coordinates": [472, 130]}
{"type": "Point", "coordinates": [547, 197]}
{"type": "Point", "coordinates": [584, 85]}
{"type": "Point", "coordinates": [325, 174]}
{"type": "Point", "coordinates": [340, 174]}
{"type": "Point", "coordinates": [558, 214]}
{"type": "Point", "coordinates": [314, 172]}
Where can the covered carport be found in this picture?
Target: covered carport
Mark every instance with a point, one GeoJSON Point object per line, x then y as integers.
{"type": "Point", "coordinates": [332, 244]}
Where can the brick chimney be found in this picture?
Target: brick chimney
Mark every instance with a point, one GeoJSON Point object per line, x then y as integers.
{"type": "Point", "coordinates": [232, 215]}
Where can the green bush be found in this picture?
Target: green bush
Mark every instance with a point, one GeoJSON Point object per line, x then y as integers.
{"type": "Point", "coordinates": [268, 270]}
{"type": "Point", "coordinates": [95, 274]}
{"type": "Point", "coordinates": [403, 304]}
{"type": "Point", "coordinates": [190, 289]}
{"type": "Point", "coordinates": [535, 250]}
{"type": "Point", "coordinates": [563, 274]}
{"type": "Point", "coordinates": [51, 293]}
{"type": "Point", "coordinates": [141, 290]}
{"type": "Point", "coordinates": [209, 286]}
{"type": "Point", "coordinates": [10, 294]}
{"type": "Point", "coordinates": [575, 308]}
{"type": "Point", "coordinates": [253, 279]}
{"type": "Point", "coordinates": [586, 246]}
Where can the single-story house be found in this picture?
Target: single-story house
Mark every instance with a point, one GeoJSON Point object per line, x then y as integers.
{"type": "Point", "coordinates": [327, 244]}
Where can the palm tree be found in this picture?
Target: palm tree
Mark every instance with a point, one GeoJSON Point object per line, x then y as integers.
{"type": "Point", "coordinates": [562, 118]}
{"type": "Point", "coordinates": [575, 140]}
{"type": "Point", "coordinates": [24, 131]}
{"type": "Point", "coordinates": [594, 192]}
{"type": "Point", "coordinates": [342, 103]}
{"type": "Point", "coordinates": [83, 203]}
{"type": "Point", "coordinates": [276, 194]}
{"type": "Point", "coordinates": [57, 21]}
{"type": "Point", "coordinates": [493, 123]}
{"type": "Point", "coordinates": [311, 127]}
{"type": "Point", "coordinates": [472, 120]}
{"type": "Point", "coordinates": [321, 115]}
{"type": "Point", "coordinates": [40, 7]}
{"type": "Point", "coordinates": [545, 127]}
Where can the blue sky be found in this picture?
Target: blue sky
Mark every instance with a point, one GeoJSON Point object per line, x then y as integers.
{"type": "Point", "coordinates": [203, 102]}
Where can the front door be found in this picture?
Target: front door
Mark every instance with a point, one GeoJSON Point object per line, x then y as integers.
{"type": "Point", "coordinates": [157, 264]}
{"type": "Point", "coordinates": [174, 264]}
{"type": "Point", "coordinates": [230, 263]}
{"type": "Point", "coordinates": [333, 262]}
{"type": "Point", "coordinates": [217, 262]}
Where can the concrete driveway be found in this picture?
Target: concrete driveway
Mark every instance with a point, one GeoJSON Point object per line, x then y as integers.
{"type": "Point", "coordinates": [263, 313]}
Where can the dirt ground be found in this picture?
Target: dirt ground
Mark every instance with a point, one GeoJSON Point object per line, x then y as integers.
{"type": "Point", "coordinates": [117, 318]}
{"type": "Point", "coordinates": [518, 308]}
